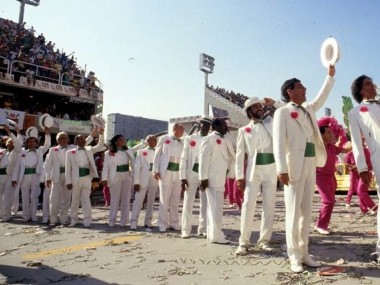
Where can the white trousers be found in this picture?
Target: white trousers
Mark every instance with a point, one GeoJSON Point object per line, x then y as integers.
{"type": "Point", "coordinates": [30, 190]}
{"type": "Point", "coordinates": [170, 194]}
{"type": "Point", "coordinates": [215, 201]}
{"type": "Point", "coordinates": [60, 199]}
{"type": "Point", "coordinates": [376, 169]}
{"type": "Point", "coordinates": [46, 203]}
{"type": "Point", "coordinates": [298, 208]}
{"type": "Point", "coordinates": [7, 196]}
{"type": "Point", "coordinates": [81, 194]}
{"type": "Point", "coordinates": [188, 203]}
{"type": "Point", "coordinates": [120, 191]}
{"type": "Point", "coordinates": [150, 190]}
{"type": "Point", "coordinates": [16, 201]}
{"type": "Point", "coordinates": [265, 179]}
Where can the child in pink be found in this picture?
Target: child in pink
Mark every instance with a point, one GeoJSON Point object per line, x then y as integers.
{"type": "Point", "coordinates": [357, 185]}
{"type": "Point", "coordinates": [326, 181]}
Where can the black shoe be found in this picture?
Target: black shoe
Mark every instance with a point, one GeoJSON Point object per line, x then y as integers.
{"type": "Point", "coordinates": [148, 227]}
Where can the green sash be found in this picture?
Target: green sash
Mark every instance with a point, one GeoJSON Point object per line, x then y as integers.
{"type": "Point", "coordinates": [310, 150]}
{"type": "Point", "coordinates": [264, 158]}
{"type": "Point", "coordinates": [173, 166]}
{"type": "Point", "coordinates": [83, 171]}
{"type": "Point", "coordinates": [122, 168]}
{"type": "Point", "coordinates": [196, 167]}
{"type": "Point", "coordinates": [30, 170]}
{"type": "Point", "coordinates": [62, 169]}
{"type": "Point", "coordinates": [150, 166]}
{"type": "Point", "coordinates": [3, 171]}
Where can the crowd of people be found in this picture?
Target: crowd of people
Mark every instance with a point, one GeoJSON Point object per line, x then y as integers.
{"type": "Point", "coordinates": [21, 44]}
{"type": "Point", "coordinates": [236, 98]}
{"type": "Point", "coordinates": [292, 147]}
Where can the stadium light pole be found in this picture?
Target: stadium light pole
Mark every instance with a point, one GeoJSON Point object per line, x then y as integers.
{"type": "Point", "coordinates": [206, 65]}
{"type": "Point", "coordinates": [22, 8]}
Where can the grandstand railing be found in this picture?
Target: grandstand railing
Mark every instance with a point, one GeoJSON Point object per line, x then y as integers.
{"type": "Point", "coordinates": [39, 70]}
{"type": "Point", "coordinates": [55, 76]}
{"type": "Point", "coordinates": [4, 64]}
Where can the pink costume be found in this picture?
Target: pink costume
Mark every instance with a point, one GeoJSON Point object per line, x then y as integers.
{"type": "Point", "coordinates": [356, 184]}
{"type": "Point", "coordinates": [326, 184]}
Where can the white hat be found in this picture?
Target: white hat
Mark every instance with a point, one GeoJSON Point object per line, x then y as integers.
{"type": "Point", "coordinates": [329, 52]}
{"type": "Point", "coordinates": [98, 121]}
{"type": "Point", "coordinates": [251, 101]}
{"type": "Point", "coordinates": [46, 121]}
{"type": "Point", "coordinates": [31, 132]}
{"type": "Point", "coordinates": [206, 119]}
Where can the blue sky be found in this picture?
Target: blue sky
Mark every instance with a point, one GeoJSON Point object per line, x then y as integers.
{"type": "Point", "coordinates": [257, 45]}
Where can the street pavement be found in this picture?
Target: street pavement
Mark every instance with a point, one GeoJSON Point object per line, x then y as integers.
{"type": "Point", "coordinates": [32, 253]}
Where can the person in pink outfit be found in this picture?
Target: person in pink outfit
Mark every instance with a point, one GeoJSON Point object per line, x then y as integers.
{"type": "Point", "coordinates": [326, 181]}
{"type": "Point", "coordinates": [356, 184]}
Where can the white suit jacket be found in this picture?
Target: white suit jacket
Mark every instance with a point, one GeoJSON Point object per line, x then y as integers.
{"type": "Point", "coordinates": [72, 163]}
{"type": "Point", "coordinates": [19, 170]}
{"type": "Point", "coordinates": [190, 155]}
{"type": "Point", "coordinates": [252, 138]}
{"type": "Point", "coordinates": [141, 174]}
{"type": "Point", "coordinates": [8, 159]}
{"type": "Point", "coordinates": [52, 163]}
{"type": "Point", "coordinates": [162, 154]}
{"type": "Point", "coordinates": [110, 166]}
{"type": "Point", "coordinates": [289, 137]}
{"type": "Point", "coordinates": [216, 158]}
{"type": "Point", "coordinates": [365, 120]}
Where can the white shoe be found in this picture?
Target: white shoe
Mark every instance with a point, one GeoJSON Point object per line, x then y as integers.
{"type": "Point", "coordinates": [347, 206]}
{"type": "Point", "coordinates": [265, 246]}
{"type": "Point", "coordinates": [322, 231]}
{"type": "Point", "coordinates": [45, 220]}
{"type": "Point", "coordinates": [185, 235]}
{"type": "Point", "coordinates": [162, 230]}
{"type": "Point", "coordinates": [133, 226]}
{"type": "Point", "coordinates": [241, 250]}
{"type": "Point", "coordinates": [111, 224]}
{"type": "Point", "coordinates": [309, 262]}
{"type": "Point", "coordinates": [296, 267]}
{"type": "Point", "coordinates": [222, 241]}
{"type": "Point", "coordinates": [73, 224]}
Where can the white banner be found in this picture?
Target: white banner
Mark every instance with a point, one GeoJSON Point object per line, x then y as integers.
{"type": "Point", "coordinates": [74, 127]}
{"type": "Point", "coordinates": [14, 115]}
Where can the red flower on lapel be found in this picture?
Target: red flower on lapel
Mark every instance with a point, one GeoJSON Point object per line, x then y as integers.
{"type": "Point", "coordinates": [363, 109]}
{"type": "Point", "coordinates": [294, 115]}
{"type": "Point", "coordinates": [218, 141]}
{"type": "Point", "coordinates": [73, 151]}
{"type": "Point", "coordinates": [167, 141]}
{"type": "Point", "coordinates": [247, 130]}
{"type": "Point", "coordinates": [1, 152]}
{"type": "Point", "coordinates": [193, 143]}
{"type": "Point", "coordinates": [112, 153]}
{"type": "Point", "coordinates": [145, 153]}
{"type": "Point", "coordinates": [56, 148]}
{"type": "Point", "coordinates": [23, 155]}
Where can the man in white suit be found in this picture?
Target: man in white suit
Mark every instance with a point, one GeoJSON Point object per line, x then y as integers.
{"type": "Point", "coordinates": [8, 158]}
{"type": "Point", "coordinates": [254, 149]}
{"type": "Point", "coordinates": [26, 175]}
{"type": "Point", "coordinates": [365, 122]}
{"type": "Point", "coordinates": [144, 184]}
{"type": "Point", "coordinates": [166, 171]}
{"type": "Point", "coordinates": [60, 197]}
{"type": "Point", "coordinates": [188, 172]}
{"type": "Point", "coordinates": [298, 150]}
{"type": "Point", "coordinates": [79, 170]}
{"type": "Point", "coordinates": [216, 162]}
